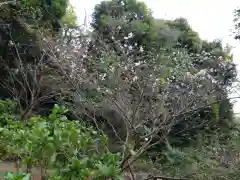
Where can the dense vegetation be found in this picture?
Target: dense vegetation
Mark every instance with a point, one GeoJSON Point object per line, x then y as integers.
{"type": "Point", "coordinates": [134, 94]}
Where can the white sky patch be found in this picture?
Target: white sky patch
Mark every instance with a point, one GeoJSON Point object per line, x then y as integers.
{"type": "Point", "coordinates": [212, 19]}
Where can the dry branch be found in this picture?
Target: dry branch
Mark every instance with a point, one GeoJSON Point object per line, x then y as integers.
{"type": "Point", "coordinates": [7, 2]}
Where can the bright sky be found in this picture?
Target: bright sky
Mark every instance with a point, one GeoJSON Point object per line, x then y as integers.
{"type": "Point", "coordinates": [210, 18]}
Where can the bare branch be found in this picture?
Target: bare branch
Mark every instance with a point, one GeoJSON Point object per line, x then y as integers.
{"type": "Point", "coordinates": [7, 2]}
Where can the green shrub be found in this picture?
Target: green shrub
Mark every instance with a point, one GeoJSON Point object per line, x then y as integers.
{"type": "Point", "coordinates": [70, 149]}
{"type": "Point", "coordinates": [201, 160]}
{"type": "Point", "coordinates": [17, 176]}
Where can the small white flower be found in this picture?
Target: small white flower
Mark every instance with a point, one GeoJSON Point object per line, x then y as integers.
{"type": "Point", "coordinates": [130, 35]}
{"type": "Point", "coordinates": [130, 48]}
{"type": "Point", "coordinates": [154, 84]}
{"type": "Point", "coordinates": [135, 78]}
{"type": "Point", "coordinates": [108, 91]}
{"type": "Point", "coordinates": [16, 70]}
{"type": "Point", "coordinates": [137, 63]}
{"type": "Point", "coordinates": [104, 75]}
{"type": "Point", "coordinates": [126, 38]}
{"type": "Point", "coordinates": [11, 43]}
{"type": "Point", "coordinates": [141, 49]}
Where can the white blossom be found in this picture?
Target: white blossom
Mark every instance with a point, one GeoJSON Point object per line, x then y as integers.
{"type": "Point", "coordinates": [135, 78]}
{"type": "Point", "coordinates": [137, 63]}
{"type": "Point", "coordinates": [130, 35]}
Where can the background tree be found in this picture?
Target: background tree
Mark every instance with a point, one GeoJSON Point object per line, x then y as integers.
{"type": "Point", "coordinates": [207, 58]}
{"type": "Point", "coordinates": [118, 20]}
{"type": "Point", "coordinates": [188, 38]}
{"type": "Point", "coordinates": [70, 17]}
{"type": "Point", "coordinates": [23, 47]}
{"type": "Point", "coordinates": [237, 23]}
{"type": "Point", "coordinates": [210, 59]}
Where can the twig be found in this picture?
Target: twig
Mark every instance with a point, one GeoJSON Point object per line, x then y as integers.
{"type": "Point", "coordinates": [164, 178]}
{"type": "Point", "coordinates": [131, 172]}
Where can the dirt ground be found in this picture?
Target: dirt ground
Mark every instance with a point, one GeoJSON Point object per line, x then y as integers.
{"type": "Point", "coordinates": [10, 167]}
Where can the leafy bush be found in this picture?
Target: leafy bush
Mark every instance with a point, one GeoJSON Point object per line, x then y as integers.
{"type": "Point", "coordinates": [209, 158]}
{"type": "Point", "coordinates": [17, 176]}
{"type": "Point", "coordinates": [70, 149]}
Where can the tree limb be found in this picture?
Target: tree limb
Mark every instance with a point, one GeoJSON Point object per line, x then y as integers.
{"type": "Point", "coordinates": [7, 2]}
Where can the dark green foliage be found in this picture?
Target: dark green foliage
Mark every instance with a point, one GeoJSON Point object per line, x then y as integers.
{"type": "Point", "coordinates": [188, 38]}
{"type": "Point", "coordinates": [22, 45]}
{"type": "Point", "coordinates": [120, 18]}
{"type": "Point", "coordinates": [167, 37]}
{"type": "Point", "coordinates": [42, 10]}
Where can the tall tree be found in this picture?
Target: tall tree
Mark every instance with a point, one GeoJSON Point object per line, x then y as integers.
{"type": "Point", "coordinates": [188, 38]}
{"type": "Point", "coordinates": [23, 46]}
{"type": "Point", "coordinates": [70, 17]}
{"type": "Point", "coordinates": [208, 60]}
{"type": "Point", "coordinates": [128, 21]}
